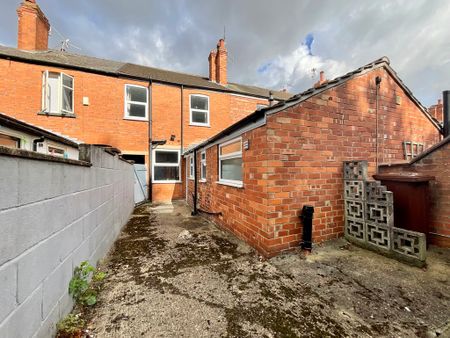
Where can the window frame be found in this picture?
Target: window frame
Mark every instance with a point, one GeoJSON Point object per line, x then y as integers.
{"type": "Point", "coordinates": [206, 111]}
{"type": "Point", "coordinates": [60, 95]}
{"type": "Point", "coordinates": [203, 168]}
{"type": "Point", "coordinates": [56, 147]}
{"type": "Point", "coordinates": [237, 154]}
{"type": "Point", "coordinates": [154, 164]}
{"type": "Point", "coordinates": [14, 138]}
{"type": "Point", "coordinates": [126, 116]}
{"type": "Point", "coordinates": [191, 167]}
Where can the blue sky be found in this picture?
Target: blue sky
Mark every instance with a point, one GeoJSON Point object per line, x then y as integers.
{"type": "Point", "coordinates": [276, 44]}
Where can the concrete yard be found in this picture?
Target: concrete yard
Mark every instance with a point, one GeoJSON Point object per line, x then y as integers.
{"type": "Point", "coordinates": [207, 283]}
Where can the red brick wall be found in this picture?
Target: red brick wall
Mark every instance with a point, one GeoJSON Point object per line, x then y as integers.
{"type": "Point", "coordinates": [244, 211]}
{"type": "Point", "coordinates": [436, 164]}
{"type": "Point", "coordinates": [301, 161]}
{"type": "Point", "coordinates": [102, 121]}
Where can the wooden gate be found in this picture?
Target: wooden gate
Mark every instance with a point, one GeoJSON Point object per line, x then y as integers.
{"type": "Point", "coordinates": [140, 183]}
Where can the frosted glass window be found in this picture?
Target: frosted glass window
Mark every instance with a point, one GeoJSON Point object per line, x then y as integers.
{"type": "Point", "coordinates": [230, 163]}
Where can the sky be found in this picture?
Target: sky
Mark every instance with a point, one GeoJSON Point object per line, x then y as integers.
{"type": "Point", "coordinates": [281, 44]}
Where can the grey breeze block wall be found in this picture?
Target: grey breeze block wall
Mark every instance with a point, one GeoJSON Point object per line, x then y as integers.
{"type": "Point", "coordinates": [54, 214]}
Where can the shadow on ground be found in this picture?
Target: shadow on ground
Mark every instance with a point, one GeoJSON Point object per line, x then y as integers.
{"type": "Point", "coordinates": [206, 283]}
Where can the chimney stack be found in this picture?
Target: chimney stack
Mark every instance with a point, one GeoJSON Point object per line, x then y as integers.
{"type": "Point", "coordinates": [221, 62]}
{"type": "Point", "coordinates": [322, 79]}
{"type": "Point", "coordinates": [446, 113]}
{"type": "Point", "coordinates": [218, 63]}
{"type": "Point", "coordinates": [33, 27]}
{"type": "Point", "coordinates": [436, 111]}
{"type": "Point", "coordinates": [212, 66]}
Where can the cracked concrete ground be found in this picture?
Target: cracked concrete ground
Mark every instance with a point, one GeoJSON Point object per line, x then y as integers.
{"type": "Point", "coordinates": [213, 285]}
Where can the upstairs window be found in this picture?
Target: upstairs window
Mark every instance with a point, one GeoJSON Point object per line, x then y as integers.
{"type": "Point", "coordinates": [203, 166]}
{"type": "Point", "coordinates": [136, 102]}
{"type": "Point", "coordinates": [230, 162]}
{"type": "Point", "coordinates": [57, 93]}
{"type": "Point", "coordinates": [166, 166]}
{"type": "Point", "coordinates": [199, 110]}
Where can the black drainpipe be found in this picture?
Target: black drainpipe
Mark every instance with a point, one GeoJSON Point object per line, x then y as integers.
{"type": "Point", "coordinates": [377, 95]}
{"type": "Point", "coordinates": [195, 212]}
{"type": "Point", "coordinates": [182, 172]}
{"type": "Point", "coordinates": [150, 124]}
{"type": "Point", "coordinates": [307, 216]}
{"type": "Point", "coordinates": [36, 141]}
{"type": "Point", "coordinates": [446, 108]}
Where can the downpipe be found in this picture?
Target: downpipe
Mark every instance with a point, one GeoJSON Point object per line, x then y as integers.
{"type": "Point", "coordinates": [307, 217]}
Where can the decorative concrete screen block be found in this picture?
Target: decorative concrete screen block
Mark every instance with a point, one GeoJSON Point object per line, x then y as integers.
{"type": "Point", "coordinates": [377, 193]}
{"type": "Point", "coordinates": [354, 209]}
{"type": "Point", "coordinates": [379, 236]}
{"type": "Point", "coordinates": [354, 190]}
{"type": "Point", "coordinates": [380, 214]}
{"type": "Point", "coordinates": [355, 170]}
{"type": "Point", "coordinates": [369, 217]}
{"type": "Point", "coordinates": [409, 243]}
{"type": "Point", "coordinates": [356, 229]}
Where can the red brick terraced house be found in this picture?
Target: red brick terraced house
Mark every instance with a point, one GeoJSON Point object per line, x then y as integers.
{"type": "Point", "coordinates": [151, 115]}
{"type": "Point", "coordinates": [254, 177]}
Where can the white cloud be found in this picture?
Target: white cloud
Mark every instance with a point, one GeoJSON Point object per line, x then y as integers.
{"type": "Point", "coordinates": [298, 70]}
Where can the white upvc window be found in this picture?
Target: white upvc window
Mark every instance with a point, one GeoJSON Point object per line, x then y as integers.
{"type": "Point", "coordinates": [56, 151]}
{"type": "Point", "coordinates": [191, 167]}
{"type": "Point", "coordinates": [199, 110]}
{"type": "Point", "coordinates": [136, 102]}
{"type": "Point", "coordinates": [230, 163]}
{"type": "Point", "coordinates": [57, 93]}
{"type": "Point", "coordinates": [166, 166]}
{"type": "Point", "coordinates": [203, 166]}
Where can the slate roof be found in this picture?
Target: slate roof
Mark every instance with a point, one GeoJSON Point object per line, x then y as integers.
{"type": "Point", "coordinates": [298, 98]}
{"type": "Point", "coordinates": [10, 122]}
{"type": "Point", "coordinates": [116, 68]}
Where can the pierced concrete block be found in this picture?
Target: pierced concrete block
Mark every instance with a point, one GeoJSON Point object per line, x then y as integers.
{"type": "Point", "coordinates": [377, 193]}
{"type": "Point", "coordinates": [354, 190]}
{"type": "Point", "coordinates": [379, 214]}
{"type": "Point", "coordinates": [355, 229]}
{"type": "Point", "coordinates": [354, 210]}
{"type": "Point", "coordinates": [379, 235]}
{"type": "Point", "coordinates": [409, 243]}
{"type": "Point", "coordinates": [355, 170]}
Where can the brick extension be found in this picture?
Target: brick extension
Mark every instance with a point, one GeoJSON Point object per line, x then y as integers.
{"type": "Point", "coordinates": [296, 159]}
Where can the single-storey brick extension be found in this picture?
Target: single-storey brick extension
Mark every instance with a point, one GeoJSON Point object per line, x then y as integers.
{"type": "Point", "coordinates": [255, 176]}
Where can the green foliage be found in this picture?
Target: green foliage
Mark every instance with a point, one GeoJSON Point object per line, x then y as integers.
{"type": "Point", "coordinates": [83, 285]}
{"type": "Point", "coordinates": [70, 324]}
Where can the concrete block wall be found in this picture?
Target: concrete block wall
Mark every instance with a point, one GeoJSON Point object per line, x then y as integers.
{"type": "Point", "coordinates": [54, 213]}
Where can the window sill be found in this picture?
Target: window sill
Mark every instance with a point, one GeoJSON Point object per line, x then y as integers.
{"type": "Point", "coordinates": [231, 184]}
{"type": "Point", "coordinates": [165, 182]}
{"type": "Point", "coordinates": [202, 181]}
{"type": "Point", "coordinates": [72, 115]}
{"type": "Point", "coordinates": [141, 119]}
{"type": "Point", "coordinates": [199, 125]}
